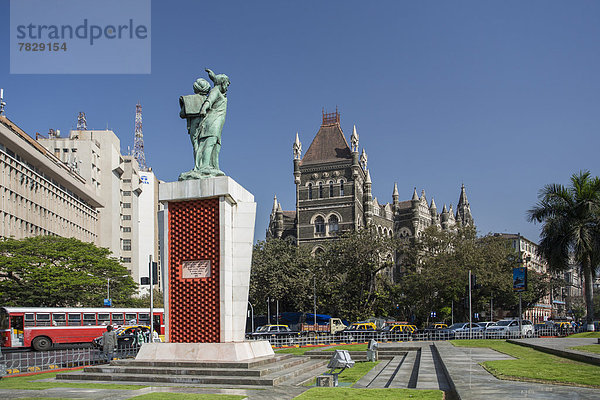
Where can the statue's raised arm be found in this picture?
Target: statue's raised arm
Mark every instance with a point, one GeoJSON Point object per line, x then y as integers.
{"type": "Point", "coordinates": [211, 118]}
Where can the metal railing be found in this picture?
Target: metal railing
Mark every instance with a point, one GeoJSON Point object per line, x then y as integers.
{"type": "Point", "coordinates": [296, 340]}
{"type": "Point", "coordinates": [36, 361]}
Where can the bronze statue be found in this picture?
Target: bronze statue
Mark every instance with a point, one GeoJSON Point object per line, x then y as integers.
{"type": "Point", "coordinates": [205, 116]}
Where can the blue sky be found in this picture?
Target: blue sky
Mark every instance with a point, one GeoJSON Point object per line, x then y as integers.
{"type": "Point", "coordinates": [503, 96]}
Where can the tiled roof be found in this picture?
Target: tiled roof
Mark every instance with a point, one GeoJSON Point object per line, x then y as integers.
{"type": "Point", "coordinates": [328, 145]}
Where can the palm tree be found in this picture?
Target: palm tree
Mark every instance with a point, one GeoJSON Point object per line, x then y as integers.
{"type": "Point", "coordinates": [571, 229]}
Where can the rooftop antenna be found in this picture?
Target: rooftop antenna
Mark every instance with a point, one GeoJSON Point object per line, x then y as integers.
{"type": "Point", "coordinates": [2, 102]}
{"type": "Point", "coordinates": [138, 140]}
{"type": "Point", "coordinates": [81, 122]}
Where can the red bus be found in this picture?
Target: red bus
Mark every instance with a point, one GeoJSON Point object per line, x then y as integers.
{"type": "Point", "coordinates": [42, 327]}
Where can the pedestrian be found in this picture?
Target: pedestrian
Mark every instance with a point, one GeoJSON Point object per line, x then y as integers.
{"type": "Point", "coordinates": [109, 343]}
{"type": "Point", "coordinates": [140, 336]}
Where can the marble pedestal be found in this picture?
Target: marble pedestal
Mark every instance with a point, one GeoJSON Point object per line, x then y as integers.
{"type": "Point", "coordinates": [207, 230]}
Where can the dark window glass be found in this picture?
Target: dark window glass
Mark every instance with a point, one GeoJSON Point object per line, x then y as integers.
{"type": "Point", "coordinates": [320, 190]}
{"type": "Point", "coordinates": [333, 224]}
{"type": "Point", "coordinates": [341, 188]}
{"type": "Point", "coordinates": [319, 225]}
{"type": "Point", "coordinates": [310, 191]}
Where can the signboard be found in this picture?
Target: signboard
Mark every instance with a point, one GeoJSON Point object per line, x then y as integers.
{"type": "Point", "coordinates": [195, 269]}
{"type": "Point", "coordinates": [107, 302]}
{"type": "Point", "coordinates": [519, 279]}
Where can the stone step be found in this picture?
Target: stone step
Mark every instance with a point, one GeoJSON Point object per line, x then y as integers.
{"type": "Point", "coordinates": [273, 374]}
{"type": "Point", "coordinates": [206, 364]}
{"type": "Point", "coordinates": [134, 368]}
{"type": "Point", "coordinates": [404, 373]}
{"type": "Point", "coordinates": [357, 355]}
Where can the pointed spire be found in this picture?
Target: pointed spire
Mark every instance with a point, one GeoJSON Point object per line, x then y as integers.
{"type": "Point", "coordinates": [368, 180]}
{"type": "Point", "coordinates": [444, 210]}
{"type": "Point", "coordinates": [433, 204]}
{"type": "Point", "coordinates": [415, 195]}
{"type": "Point", "coordinates": [395, 193]}
{"type": "Point", "coordinates": [423, 193]}
{"type": "Point", "coordinates": [363, 159]}
{"type": "Point", "coordinates": [279, 210]}
{"type": "Point", "coordinates": [354, 140]}
{"type": "Point", "coordinates": [462, 200]}
{"type": "Point", "coordinates": [297, 148]}
{"type": "Point", "coordinates": [274, 205]}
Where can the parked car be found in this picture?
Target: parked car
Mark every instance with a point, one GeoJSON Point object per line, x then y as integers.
{"type": "Point", "coordinates": [509, 328]}
{"type": "Point", "coordinates": [360, 331]}
{"type": "Point", "coordinates": [397, 331]}
{"type": "Point", "coordinates": [432, 331]}
{"type": "Point", "coordinates": [127, 336]}
{"type": "Point", "coordinates": [277, 334]}
{"type": "Point", "coordinates": [460, 330]}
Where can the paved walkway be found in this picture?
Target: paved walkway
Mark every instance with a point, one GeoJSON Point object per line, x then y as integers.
{"type": "Point", "coordinates": [426, 365]}
{"type": "Point", "coordinates": [561, 347]}
{"type": "Point", "coordinates": [471, 381]}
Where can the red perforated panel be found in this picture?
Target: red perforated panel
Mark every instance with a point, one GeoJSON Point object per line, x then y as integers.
{"type": "Point", "coordinates": [194, 302]}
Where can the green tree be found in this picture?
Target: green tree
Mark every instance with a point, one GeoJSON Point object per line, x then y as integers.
{"type": "Point", "coordinates": [281, 271]}
{"type": "Point", "coordinates": [52, 271]}
{"type": "Point", "coordinates": [571, 229]}
{"type": "Point", "coordinates": [356, 275]}
{"type": "Point", "coordinates": [436, 269]}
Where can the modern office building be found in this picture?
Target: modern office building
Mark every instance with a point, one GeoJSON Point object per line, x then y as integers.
{"type": "Point", "coordinates": [127, 222]}
{"type": "Point", "coordinates": [40, 194]}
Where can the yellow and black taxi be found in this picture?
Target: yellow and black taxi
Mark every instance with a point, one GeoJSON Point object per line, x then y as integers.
{"type": "Point", "coordinates": [128, 336]}
{"type": "Point", "coordinates": [360, 331]}
{"type": "Point", "coordinates": [397, 331]}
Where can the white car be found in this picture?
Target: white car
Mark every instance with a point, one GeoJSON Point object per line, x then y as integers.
{"type": "Point", "coordinates": [509, 328]}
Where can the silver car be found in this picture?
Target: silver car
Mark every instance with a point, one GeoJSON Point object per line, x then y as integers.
{"type": "Point", "coordinates": [509, 328]}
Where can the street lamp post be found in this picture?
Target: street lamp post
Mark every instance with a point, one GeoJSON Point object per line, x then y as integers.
{"type": "Point", "coordinates": [251, 315]}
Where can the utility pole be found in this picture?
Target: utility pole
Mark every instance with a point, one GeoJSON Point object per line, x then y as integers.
{"type": "Point", "coordinates": [470, 309]}
{"type": "Point", "coordinates": [315, 298]}
{"type": "Point", "coordinates": [151, 299]}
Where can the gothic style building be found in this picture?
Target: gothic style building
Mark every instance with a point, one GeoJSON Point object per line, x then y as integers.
{"type": "Point", "coordinates": [333, 194]}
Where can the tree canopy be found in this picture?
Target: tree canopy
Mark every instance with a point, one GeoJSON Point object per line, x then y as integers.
{"type": "Point", "coordinates": [52, 271]}
{"type": "Point", "coordinates": [436, 269]}
{"type": "Point", "coordinates": [571, 229]}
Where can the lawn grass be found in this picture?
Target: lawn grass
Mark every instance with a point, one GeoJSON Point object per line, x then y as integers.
{"type": "Point", "coordinates": [591, 348]}
{"type": "Point", "coordinates": [378, 394]}
{"type": "Point", "coordinates": [29, 383]}
{"type": "Point", "coordinates": [187, 396]}
{"type": "Point", "coordinates": [301, 350]}
{"type": "Point", "coordinates": [535, 366]}
{"type": "Point", "coordinates": [351, 375]}
{"type": "Point", "coordinates": [585, 335]}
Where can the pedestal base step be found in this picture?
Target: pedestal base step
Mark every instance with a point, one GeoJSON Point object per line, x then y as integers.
{"type": "Point", "coordinates": [259, 373]}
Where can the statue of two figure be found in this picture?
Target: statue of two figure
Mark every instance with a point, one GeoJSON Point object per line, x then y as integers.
{"type": "Point", "coordinates": [205, 114]}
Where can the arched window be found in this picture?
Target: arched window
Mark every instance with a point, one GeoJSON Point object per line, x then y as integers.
{"type": "Point", "coordinates": [342, 187]}
{"type": "Point", "coordinates": [330, 188]}
{"type": "Point", "coordinates": [333, 224]}
{"type": "Point", "coordinates": [320, 190]}
{"type": "Point", "coordinates": [310, 191]}
{"type": "Point", "coordinates": [319, 225]}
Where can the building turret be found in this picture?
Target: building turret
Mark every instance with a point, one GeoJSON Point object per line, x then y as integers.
{"type": "Point", "coordinates": [444, 218]}
{"type": "Point", "coordinates": [297, 149]}
{"type": "Point", "coordinates": [363, 160]}
{"type": "Point", "coordinates": [354, 140]}
{"type": "Point", "coordinates": [368, 199]}
{"type": "Point", "coordinates": [463, 209]}
{"type": "Point", "coordinates": [279, 221]}
{"type": "Point", "coordinates": [395, 196]}
{"type": "Point", "coordinates": [451, 219]}
{"type": "Point", "coordinates": [433, 212]}
{"type": "Point", "coordinates": [274, 209]}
